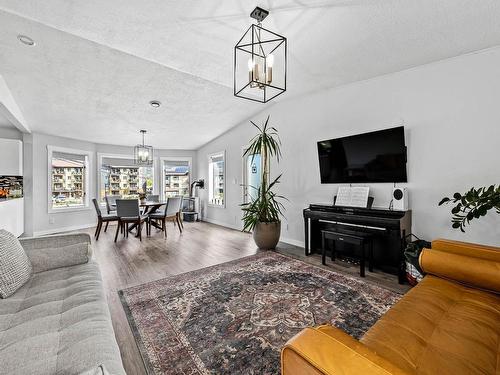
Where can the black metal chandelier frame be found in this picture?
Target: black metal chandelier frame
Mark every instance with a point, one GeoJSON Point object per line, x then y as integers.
{"type": "Point", "coordinates": [255, 48]}
{"type": "Point", "coordinates": [142, 150]}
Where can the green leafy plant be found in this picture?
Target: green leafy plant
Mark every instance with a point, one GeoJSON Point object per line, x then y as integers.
{"type": "Point", "coordinates": [266, 206]}
{"type": "Point", "coordinates": [472, 205]}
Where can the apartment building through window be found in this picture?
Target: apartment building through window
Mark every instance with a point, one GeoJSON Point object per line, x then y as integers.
{"type": "Point", "coordinates": [216, 179]}
{"type": "Point", "coordinates": [122, 177]}
{"type": "Point", "coordinates": [68, 178]}
{"type": "Point", "coordinates": [176, 177]}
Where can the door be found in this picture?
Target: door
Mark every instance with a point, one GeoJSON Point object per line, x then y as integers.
{"type": "Point", "coordinates": [252, 176]}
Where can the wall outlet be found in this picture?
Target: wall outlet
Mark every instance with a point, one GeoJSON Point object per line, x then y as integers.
{"type": "Point", "coordinates": [287, 227]}
{"type": "Point", "coordinates": [51, 220]}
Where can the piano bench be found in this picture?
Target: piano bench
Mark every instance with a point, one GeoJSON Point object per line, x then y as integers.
{"type": "Point", "coordinates": [357, 239]}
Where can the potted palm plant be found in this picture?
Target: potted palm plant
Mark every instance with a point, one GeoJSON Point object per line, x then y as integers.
{"type": "Point", "coordinates": [263, 212]}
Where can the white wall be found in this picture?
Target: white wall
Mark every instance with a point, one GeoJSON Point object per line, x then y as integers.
{"type": "Point", "coordinates": [38, 220]}
{"type": "Point", "coordinates": [451, 113]}
{"type": "Point", "coordinates": [28, 188]}
{"type": "Point", "coordinates": [10, 133]}
{"type": "Point", "coordinates": [42, 221]}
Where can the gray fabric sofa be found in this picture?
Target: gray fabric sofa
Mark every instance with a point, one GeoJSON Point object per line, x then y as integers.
{"type": "Point", "coordinates": [58, 322]}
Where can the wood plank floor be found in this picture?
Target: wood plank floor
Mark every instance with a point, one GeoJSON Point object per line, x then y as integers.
{"type": "Point", "coordinates": [130, 262]}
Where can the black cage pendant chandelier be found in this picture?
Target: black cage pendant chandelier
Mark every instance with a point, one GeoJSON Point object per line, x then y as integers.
{"type": "Point", "coordinates": [260, 62]}
{"type": "Point", "coordinates": [143, 154]}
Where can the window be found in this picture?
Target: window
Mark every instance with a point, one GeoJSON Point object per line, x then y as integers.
{"type": "Point", "coordinates": [176, 177]}
{"type": "Point", "coordinates": [68, 178]}
{"type": "Point", "coordinates": [122, 177]}
{"type": "Point", "coordinates": [216, 179]}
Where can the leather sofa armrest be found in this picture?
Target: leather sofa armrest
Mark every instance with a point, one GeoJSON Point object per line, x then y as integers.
{"type": "Point", "coordinates": [471, 270]}
{"type": "Point", "coordinates": [50, 252]}
{"type": "Point", "coordinates": [328, 350]}
{"type": "Point", "coordinates": [467, 249]}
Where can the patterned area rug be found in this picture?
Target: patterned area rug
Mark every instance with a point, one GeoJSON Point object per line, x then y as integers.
{"type": "Point", "coordinates": [234, 318]}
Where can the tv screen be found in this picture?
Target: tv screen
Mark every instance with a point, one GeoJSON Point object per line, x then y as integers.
{"type": "Point", "coordinates": [378, 156]}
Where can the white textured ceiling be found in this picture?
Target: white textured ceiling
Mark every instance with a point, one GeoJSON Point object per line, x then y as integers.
{"type": "Point", "coordinates": [97, 64]}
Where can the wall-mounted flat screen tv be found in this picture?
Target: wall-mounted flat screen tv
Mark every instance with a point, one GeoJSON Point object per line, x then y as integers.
{"type": "Point", "coordinates": [378, 156]}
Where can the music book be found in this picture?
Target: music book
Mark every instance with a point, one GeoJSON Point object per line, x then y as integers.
{"type": "Point", "coordinates": [356, 196]}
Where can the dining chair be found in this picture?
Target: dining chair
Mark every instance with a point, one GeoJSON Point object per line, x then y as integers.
{"type": "Point", "coordinates": [171, 213]}
{"type": "Point", "coordinates": [180, 216]}
{"type": "Point", "coordinates": [106, 218]}
{"type": "Point", "coordinates": [111, 203]}
{"type": "Point", "coordinates": [128, 212]}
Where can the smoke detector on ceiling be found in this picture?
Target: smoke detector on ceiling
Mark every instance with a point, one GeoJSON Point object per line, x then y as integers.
{"type": "Point", "coordinates": [26, 40]}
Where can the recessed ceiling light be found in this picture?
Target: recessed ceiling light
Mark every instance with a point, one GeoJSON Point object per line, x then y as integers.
{"type": "Point", "coordinates": [26, 40]}
{"type": "Point", "coordinates": [154, 103]}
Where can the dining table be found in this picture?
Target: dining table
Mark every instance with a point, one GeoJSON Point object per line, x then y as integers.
{"type": "Point", "coordinates": [151, 206]}
{"type": "Point", "coordinates": [148, 207]}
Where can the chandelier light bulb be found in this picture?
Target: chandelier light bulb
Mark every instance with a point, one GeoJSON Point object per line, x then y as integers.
{"type": "Point", "coordinates": [143, 154]}
{"type": "Point", "coordinates": [270, 60]}
{"type": "Point", "coordinates": [269, 72]}
{"type": "Point", "coordinates": [253, 72]}
{"type": "Point", "coordinates": [256, 71]}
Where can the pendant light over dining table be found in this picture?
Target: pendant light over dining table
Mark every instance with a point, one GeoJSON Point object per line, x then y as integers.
{"type": "Point", "coordinates": [260, 62]}
{"type": "Point", "coordinates": [143, 154]}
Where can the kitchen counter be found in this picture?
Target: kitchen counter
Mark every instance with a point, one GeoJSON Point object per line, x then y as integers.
{"type": "Point", "coordinates": [9, 199]}
{"type": "Point", "coordinates": [12, 215]}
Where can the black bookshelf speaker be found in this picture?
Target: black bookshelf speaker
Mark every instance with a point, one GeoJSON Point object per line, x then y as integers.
{"type": "Point", "coordinates": [400, 199]}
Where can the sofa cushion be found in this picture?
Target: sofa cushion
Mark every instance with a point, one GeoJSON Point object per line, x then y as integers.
{"type": "Point", "coordinates": [440, 327]}
{"type": "Point", "coordinates": [15, 267]}
{"type": "Point", "coordinates": [63, 250]}
{"type": "Point", "coordinates": [58, 257]}
{"type": "Point", "coordinates": [100, 370]}
{"type": "Point", "coordinates": [58, 323]}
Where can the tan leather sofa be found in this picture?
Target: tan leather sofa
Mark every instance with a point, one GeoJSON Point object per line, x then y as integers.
{"type": "Point", "coordinates": [448, 324]}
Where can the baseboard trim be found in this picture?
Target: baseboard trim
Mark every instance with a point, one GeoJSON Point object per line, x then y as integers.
{"type": "Point", "coordinates": [63, 229]}
{"type": "Point", "coordinates": [289, 241]}
{"type": "Point", "coordinates": [222, 224]}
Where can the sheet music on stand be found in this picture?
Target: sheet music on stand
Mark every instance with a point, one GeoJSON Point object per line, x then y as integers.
{"type": "Point", "coordinates": [356, 196]}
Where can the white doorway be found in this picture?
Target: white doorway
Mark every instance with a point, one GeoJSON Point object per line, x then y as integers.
{"type": "Point", "coordinates": [252, 172]}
